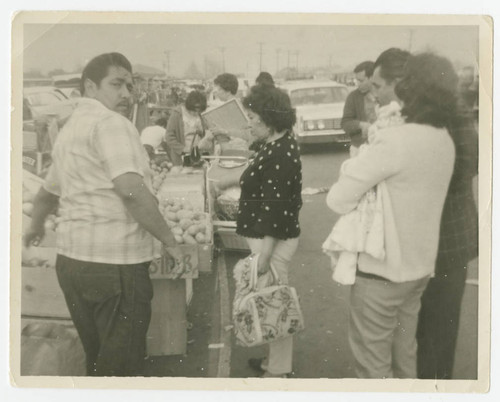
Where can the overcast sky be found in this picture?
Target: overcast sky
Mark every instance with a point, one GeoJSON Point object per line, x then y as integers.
{"type": "Point", "coordinates": [69, 46]}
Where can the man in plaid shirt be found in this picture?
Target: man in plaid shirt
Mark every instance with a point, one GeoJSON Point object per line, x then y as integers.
{"type": "Point", "coordinates": [458, 244]}
{"type": "Point", "coordinates": [100, 179]}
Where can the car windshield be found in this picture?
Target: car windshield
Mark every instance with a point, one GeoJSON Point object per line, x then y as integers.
{"type": "Point", "coordinates": [45, 98]}
{"type": "Point", "coordinates": [320, 95]}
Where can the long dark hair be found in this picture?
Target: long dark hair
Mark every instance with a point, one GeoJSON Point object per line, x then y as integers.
{"type": "Point", "coordinates": [429, 91]}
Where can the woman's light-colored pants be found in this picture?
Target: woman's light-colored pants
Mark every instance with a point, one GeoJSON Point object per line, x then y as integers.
{"type": "Point", "coordinates": [279, 360]}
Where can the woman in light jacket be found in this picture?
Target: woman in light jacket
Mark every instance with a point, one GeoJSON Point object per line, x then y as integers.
{"type": "Point", "coordinates": [416, 162]}
{"type": "Point", "coordinates": [185, 128]}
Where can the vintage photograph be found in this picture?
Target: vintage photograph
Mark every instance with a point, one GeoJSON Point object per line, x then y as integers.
{"type": "Point", "coordinates": [229, 197]}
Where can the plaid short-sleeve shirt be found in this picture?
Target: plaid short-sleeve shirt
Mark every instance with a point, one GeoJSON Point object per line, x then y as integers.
{"type": "Point", "coordinates": [94, 147]}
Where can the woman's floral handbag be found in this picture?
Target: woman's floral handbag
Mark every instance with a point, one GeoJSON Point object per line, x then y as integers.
{"type": "Point", "coordinates": [263, 309]}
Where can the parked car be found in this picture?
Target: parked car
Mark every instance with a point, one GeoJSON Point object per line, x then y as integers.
{"type": "Point", "coordinates": [46, 101]}
{"type": "Point", "coordinates": [319, 106]}
{"type": "Point", "coordinates": [71, 93]}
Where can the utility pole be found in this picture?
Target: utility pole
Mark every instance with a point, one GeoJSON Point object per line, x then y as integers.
{"type": "Point", "coordinates": [167, 55]}
{"type": "Point", "coordinates": [410, 42]}
{"type": "Point", "coordinates": [205, 66]}
{"type": "Point", "coordinates": [278, 60]}
{"type": "Point", "coordinates": [297, 61]}
{"type": "Point", "coordinates": [260, 54]}
{"type": "Point", "coordinates": [288, 64]}
{"type": "Point", "coordinates": [222, 50]}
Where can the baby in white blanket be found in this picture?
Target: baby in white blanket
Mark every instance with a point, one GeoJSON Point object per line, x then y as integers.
{"type": "Point", "coordinates": [362, 229]}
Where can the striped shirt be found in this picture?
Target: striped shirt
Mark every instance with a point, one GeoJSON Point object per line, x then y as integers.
{"type": "Point", "coordinates": [94, 147]}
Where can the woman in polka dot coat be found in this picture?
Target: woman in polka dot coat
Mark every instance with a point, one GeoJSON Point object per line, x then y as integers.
{"type": "Point", "coordinates": [270, 201]}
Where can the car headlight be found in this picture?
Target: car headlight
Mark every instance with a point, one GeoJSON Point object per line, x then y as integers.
{"type": "Point", "coordinates": [309, 125]}
{"type": "Point", "coordinates": [321, 125]}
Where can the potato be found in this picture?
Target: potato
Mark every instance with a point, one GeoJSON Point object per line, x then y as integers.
{"type": "Point", "coordinates": [193, 229]}
{"type": "Point", "coordinates": [175, 208]}
{"type": "Point", "coordinates": [185, 223]}
{"type": "Point", "coordinates": [171, 224]}
{"type": "Point", "coordinates": [179, 239]}
{"type": "Point", "coordinates": [200, 238]}
{"type": "Point", "coordinates": [183, 214]}
{"type": "Point", "coordinates": [202, 228]}
{"type": "Point", "coordinates": [177, 231]}
{"type": "Point", "coordinates": [171, 216]}
{"type": "Point", "coordinates": [49, 225]}
{"type": "Point", "coordinates": [28, 208]}
{"type": "Point", "coordinates": [199, 216]}
{"type": "Point", "coordinates": [188, 239]}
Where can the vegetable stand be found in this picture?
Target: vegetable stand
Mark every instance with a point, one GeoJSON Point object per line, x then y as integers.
{"type": "Point", "coordinates": [223, 192]}
{"type": "Point", "coordinates": [181, 192]}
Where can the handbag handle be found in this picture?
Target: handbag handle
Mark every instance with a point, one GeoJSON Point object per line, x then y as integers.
{"type": "Point", "coordinates": [254, 272]}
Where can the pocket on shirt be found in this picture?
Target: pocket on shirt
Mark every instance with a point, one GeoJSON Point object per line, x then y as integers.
{"type": "Point", "coordinates": [99, 282]}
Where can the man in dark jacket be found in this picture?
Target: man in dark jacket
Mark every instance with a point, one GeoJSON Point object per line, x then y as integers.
{"type": "Point", "coordinates": [359, 109]}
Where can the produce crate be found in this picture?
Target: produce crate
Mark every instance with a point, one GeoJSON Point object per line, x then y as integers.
{"type": "Point", "coordinates": [228, 237]}
{"type": "Point", "coordinates": [167, 332]}
{"type": "Point", "coordinates": [188, 267]}
{"type": "Point", "coordinates": [41, 295]}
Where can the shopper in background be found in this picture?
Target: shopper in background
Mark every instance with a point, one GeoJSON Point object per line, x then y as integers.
{"type": "Point", "coordinates": [100, 178]}
{"type": "Point", "coordinates": [458, 244]}
{"type": "Point", "coordinates": [270, 202]}
{"type": "Point", "coordinates": [265, 79]}
{"type": "Point", "coordinates": [415, 160]}
{"type": "Point", "coordinates": [225, 89]}
{"type": "Point", "coordinates": [185, 128]}
{"type": "Point", "coordinates": [153, 137]}
{"type": "Point", "coordinates": [359, 108]}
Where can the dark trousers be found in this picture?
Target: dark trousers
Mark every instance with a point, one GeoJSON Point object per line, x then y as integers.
{"type": "Point", "coordinates": [111, 308]}
{"type": "Point", "coordinates": [438, 324]}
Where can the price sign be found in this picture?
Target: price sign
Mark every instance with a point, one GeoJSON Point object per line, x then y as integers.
{"type": "Point", "coordinates": [186, 268]}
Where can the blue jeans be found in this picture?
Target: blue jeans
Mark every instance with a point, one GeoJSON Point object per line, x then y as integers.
{"type": "Point", "coordinates": [111, 308]}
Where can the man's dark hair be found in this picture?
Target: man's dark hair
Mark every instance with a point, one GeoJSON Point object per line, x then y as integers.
{"type": "Point", "coordinates": [98, 68]}
{"type": "Point", "coordinates": [162, 122]}
{"type": "Point", "coordinates": [392, 63]}
{"type": "Point", "coordinates": [367, 67]}
{"type": "Point", "coordinates": [228, 82]}
{"type": "Point", "coordinates": [273, 106]}
{"type": "Point", "coordinates": [429, 91]}
{"type": "Point", "coordinates": [264, 78]}
{"type": "Point", "coordinates": [195, 100]}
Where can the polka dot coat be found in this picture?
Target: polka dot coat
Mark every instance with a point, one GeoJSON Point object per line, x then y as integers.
{"type": "Point", "coordinates": [271, 192]}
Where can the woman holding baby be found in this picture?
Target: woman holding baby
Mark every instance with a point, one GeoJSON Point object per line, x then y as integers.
{"type": "Point", "coordinates": [413, 154]}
